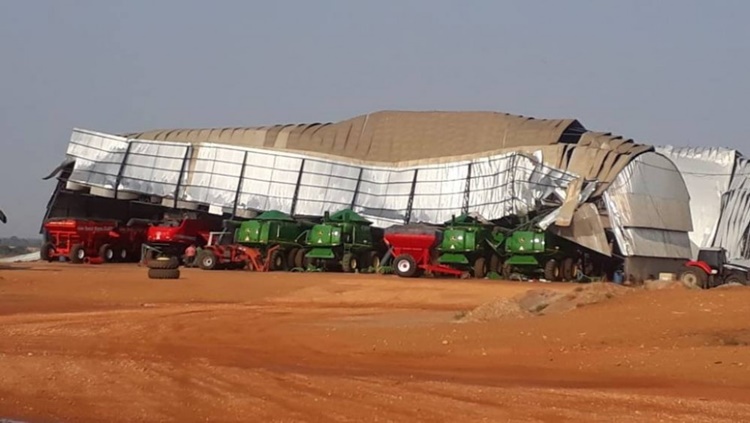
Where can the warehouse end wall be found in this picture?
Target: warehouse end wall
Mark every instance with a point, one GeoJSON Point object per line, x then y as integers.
{"type": "Point", "coordinates": [639, 269]}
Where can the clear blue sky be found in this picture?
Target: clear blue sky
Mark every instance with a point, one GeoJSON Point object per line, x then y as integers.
{"type": "Point", "coordinates": [661, 72]}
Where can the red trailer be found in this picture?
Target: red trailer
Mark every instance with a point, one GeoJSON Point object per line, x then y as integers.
{"type": "Point", "coordinates": [79, 240]}
{"type": "Point", "coordinates": [415, 254]}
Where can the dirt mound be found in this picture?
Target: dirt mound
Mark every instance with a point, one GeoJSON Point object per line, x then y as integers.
{"type": "Point", "coordinates": [657, 285]}
{"type": "Point", "coordinates": [543, 302]}
{"type": "Point", "coordinates": [731, 285]}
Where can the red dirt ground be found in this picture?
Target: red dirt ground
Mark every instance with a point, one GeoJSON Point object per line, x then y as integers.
{"type": "Point", "coordinates": [106, 344]}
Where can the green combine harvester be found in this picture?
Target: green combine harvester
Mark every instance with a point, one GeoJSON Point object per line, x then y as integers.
{"type": "Point", "coordinates": [275, 228]}
{"type": "Point", "coordinates": [536, 251]}
{"type": "Point", "coordinates": [343, 240]}
{"type": "Point", "coordinates": [472, 245]}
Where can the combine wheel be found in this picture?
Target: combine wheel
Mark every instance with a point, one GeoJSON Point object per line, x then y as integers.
{"type": "Point", "coordinates": [207, 260]}
{"type": "Point", "coordinates": [163, 273]}
{"type": "Point", "coordinates": [106, 253]}
{"type": "Point", "coordinates": [299, 258]}
{"type": "Point", "coordinates": [694, 278]}
{"type": "Point", "coordinates": [552, 270]}
{"type": "Point", "coordinates": [278, 261]}
{"type": "Point", "coordinates": [291, 260]}
{"type": "Point", "coordinates": [405, 266]}
{"type": "Point", "coordinates": [47, 251]}
{"type": "Point", "coordinates": [163, 262]}
{"type": "Point", "coordinates": [77, 253]}
{"type": "Point", "coordinates": [350, 263]}
{"type": "Point", "coordinates": [506, 271]}
{"type": "Point", "coordinates": [569, 269]}
{"type": "Point", "coordinates": [373, 260]}
{"type": "Point", "coordinates": [496, 264]}
{"type": "Point", "coordinates": [480, 268]}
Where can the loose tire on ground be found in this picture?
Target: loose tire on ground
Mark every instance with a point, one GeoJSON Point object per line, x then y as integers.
{"type": "Point", "coordinates": [694, 277]}
{"type": "Point", "coordinates": [551, 270]}
{"type": "Point", "coordinates": [405, 266]}
{"type": "Point", "coordinates": [46, 251]}
{"type": "Point", "coordinates": [278, 261]}
{"type": "Point", "coordinates": [163, 273]}
{"type": "Point", "coordinates": [106, 253]}
{"type": "Point", "coordinates": [480, 268]}
{"type": "Point", "coordinates": [77, 253]}
{"type": "Point", "coordinates": [207, 260]}
{"type": "Point", "coordinates": [163, 262]}
{"type": "Point", "coordinates": [349, 263]}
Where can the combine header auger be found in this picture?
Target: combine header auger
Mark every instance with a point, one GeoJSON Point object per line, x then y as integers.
{"type": "Point", "coordinates": [343, 240]}
{"type": "Point", "coordinates": [270, 241]}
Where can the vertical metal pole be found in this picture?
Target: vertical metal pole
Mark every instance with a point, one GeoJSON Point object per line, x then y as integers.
{"type": "Point", "coordinates": [182, 172]}
{"type": "Point", "coordinates": [122, 168]}
{"type": "Point", "coordinates": [467, 189]}
{"type": "Point", "coordinates": [411, 197]}
{"type": "Point", "coordinates": [296, 188]}
{"type": "Point", "coordinates": [356, 189]}
{"type": "Point", "coordinates": [239, 186]}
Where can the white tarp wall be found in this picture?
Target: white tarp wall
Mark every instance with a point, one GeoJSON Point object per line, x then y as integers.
{"type": "Point", "coordinates": [707, 173]}
{"type": "Point", "coordinates": [647, 204]}
{"type": "Point", "coordinates": [733, 228]}
{"type": "Point", "coordinates": [225, 177]}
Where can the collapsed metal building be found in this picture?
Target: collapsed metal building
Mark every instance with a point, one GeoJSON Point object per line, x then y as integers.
{"type": "Point", "coordinates": [606, 193]}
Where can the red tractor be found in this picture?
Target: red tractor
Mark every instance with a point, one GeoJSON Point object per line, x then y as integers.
{"type": "Point", "coordinates": [81, 240]}
{"type": "Point", "coordinates": [172, 237]}
{"type": "Point", "coordinates": [712, 269]}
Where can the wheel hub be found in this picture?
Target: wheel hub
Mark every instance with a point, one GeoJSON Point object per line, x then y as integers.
{"type": "Point", "coordinates": [404, 266]}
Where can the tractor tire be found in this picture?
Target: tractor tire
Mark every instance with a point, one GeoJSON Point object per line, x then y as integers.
{"type": "Point", "coordinates": [291, 260]}
{"type": "Point", "coordinates": [373, 260]}
{"type": "Point", "coordinates": [350, 263]}
{"type": "Point", "coordinates": [405, 266]}
{"type": "Point", "coordinates": [163, 262]}
{"type": "Point", "coordinates": [278, 261]}
{"type": "Point", "coordinates": [496, 264]}
{"type": "Point", "coordinates": [480, 268]}
{"type": "Point", "coordinates": [45, 253]}
{"type": "Point", "coordinates": [77, 253]}
{"type": "Point", "coordinates": [694, 277]}
{"type": "Point", "coordinates": [106, 253]}
{"type": "Point", "coordinates": [299, 258]}
{"type": "Point", "coordinates": [163, 273]}
{"type": "Point", "coordinates": [569, 269]}
{"type": "Point", "coordinates": [207, 260]}
{"type": "Point", "coordinates": [736, 279]}
{"type": "Point", "coordinates": [552, 270]}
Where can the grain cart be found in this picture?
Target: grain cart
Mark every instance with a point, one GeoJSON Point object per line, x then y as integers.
{"type": "Point", "coordinates": [172, 237]}
{"type": "Point", "coordinates": [343, 239]}
{"type": "Point", "coordinates": [471, 243]}
{"type": "Point", "coordinates": [536, 251]}
{"type": "Point", "coordinates": [81, 240]}
{"type": "Point", "coordinates": [413, 248]}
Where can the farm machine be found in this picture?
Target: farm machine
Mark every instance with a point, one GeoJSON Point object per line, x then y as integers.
{"type": "Point", "coordinates": [343, 240]}
{"type": "Point", "coordinates": [84, 240]}
{"type": "Point", "coordinates": [535, 251]}
{"type": "Point", "coordinates": [270, 241]}
{"type": "Point", "coordinates": [172, 236]}
{"type": "Point", "coordinates": [472, 244]}
{"type": "Point", "coordinates": [712, 269]}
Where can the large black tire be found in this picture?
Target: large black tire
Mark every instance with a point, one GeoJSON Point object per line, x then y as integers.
{"type": "Point", "coordinates": [350, 263]}
{"type": "Point", "coordinates": [291, 258]}
{"type": "Point", "coordinates": [46, 251]}
{"type": "Point", "coordinates": [569, 269]}
{"type": "Point", "coordinates": [405, 266]}
{"type": "Point", "coordinates": [496, 264]}
{"type": "Point", "coordinates": [736, 278]}
{"type": "Point", "coordinates": [299, 258]}
{"type": "Point", "coordinates": [163, 273]}
{"type": "Point", "coordinates": [506, 271]}
{"type": "Point", "coordinates": [480, 268]}
{"type": "Point", "coordinates": [123, 255]}
{"type": "Point", "coordinates": [551, 270]}
{"type": "Point", "coordinates": [77, 253]}
{"type": "Point", "coordinates": [694, 277]}
{"type": "Point", "coordinates": [163, 262]}
{"type": "Point", "coordinates": [278, 261]}
{"type": "Point", "coordinates": [107, 253]}
{"type": "Point", "coordinates": [373, 260]}
{"type": "Point", "coordinates": [207, 260]}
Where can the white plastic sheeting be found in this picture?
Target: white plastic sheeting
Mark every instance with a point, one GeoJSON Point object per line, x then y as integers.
{"type": "Point", "coordinates": [647, 209]}
{"type": "Point", "coordinates": [222, 176]}
{"type": "Point", "coordinates": [707, 172]}
{"type": "Point", "coordinates": [733, 228]}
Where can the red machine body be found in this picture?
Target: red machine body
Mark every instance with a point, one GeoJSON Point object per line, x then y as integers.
{"type": "Point", "coordinates": [172, 237]}
{"type": "Point", "coordinates": [79, 239]}
{"type": "Point", "coordinates": [414, 255]}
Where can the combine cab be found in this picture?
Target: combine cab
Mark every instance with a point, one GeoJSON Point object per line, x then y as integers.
{"type": "Point", "coordinates": [270, 241]}
{"type": "Point", "coordinates": [471, 245]}
{"type": "Point", "coordinates": [81, 240]}
{"type": "Point", "coordinates": [172, 237]}
{"type": "Point", "coordinates": [343, 240]}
